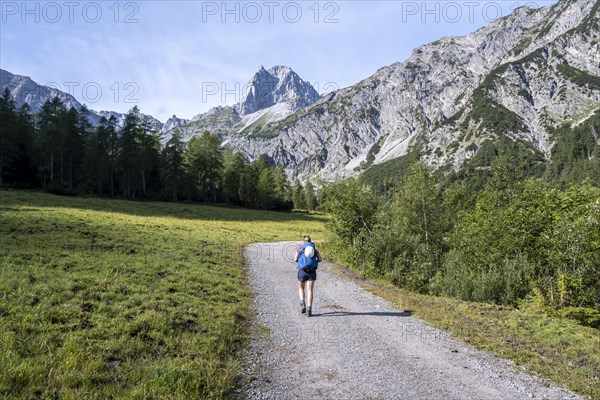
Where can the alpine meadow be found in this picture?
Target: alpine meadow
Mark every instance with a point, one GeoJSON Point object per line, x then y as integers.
{"type": "Point", "coordinates": [119, 299]}
{"type": "Point", "coordinates": [448, 173]}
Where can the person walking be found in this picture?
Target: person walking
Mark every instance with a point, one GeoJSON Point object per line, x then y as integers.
{"type": "Point", "coordinates": [308, 259]}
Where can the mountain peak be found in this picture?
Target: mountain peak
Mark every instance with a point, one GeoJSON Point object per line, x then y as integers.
{"type": "Point", "coordinates": [278, 84]}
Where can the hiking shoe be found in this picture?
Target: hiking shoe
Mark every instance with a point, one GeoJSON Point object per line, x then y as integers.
{"type": "Point", "coordinates": [303, 308]}
{"type": "Point", "coordinates": [309, 312]}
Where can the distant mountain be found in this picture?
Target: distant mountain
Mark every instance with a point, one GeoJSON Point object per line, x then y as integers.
{"type": "Point", "coordinates": [278, 85]}
{"type": "Point", "coordinates": [269, 97]}
{"type": "Point", "coordinates": [25, 90]}
{"type": "Point", "coordinates": [518, 77]}
{"type": "Point", "coordinates": [173, 123]}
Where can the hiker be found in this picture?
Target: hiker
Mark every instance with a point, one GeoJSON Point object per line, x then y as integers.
{"type": "Point", "coordinates": [308, 259]}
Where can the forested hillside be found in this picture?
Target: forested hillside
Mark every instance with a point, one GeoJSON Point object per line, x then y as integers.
{"type": "Point", "coordinates": [58, 150]}
{"type": "Point", "coordinates": [507, 234]}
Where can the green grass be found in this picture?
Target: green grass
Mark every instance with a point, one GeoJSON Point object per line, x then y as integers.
{"type": "Point", "coordinates": [116, 299]}
{"type": "Point", "coordinates": [557, 348]}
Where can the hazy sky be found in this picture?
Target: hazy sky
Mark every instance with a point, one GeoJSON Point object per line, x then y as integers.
{"type": "Point", "coordinates": [183, 57]}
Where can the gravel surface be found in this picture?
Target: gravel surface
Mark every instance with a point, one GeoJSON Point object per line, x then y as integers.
{"type": "Point", "coordinates": [358, 346]}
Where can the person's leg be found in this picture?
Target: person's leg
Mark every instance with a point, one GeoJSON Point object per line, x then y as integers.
{"type": "Point", "coordinates": [309, 293]}
{"type": "Point", "coordinates": [301, 286]}
{"type": "Point", "coordinates": [301, 294]}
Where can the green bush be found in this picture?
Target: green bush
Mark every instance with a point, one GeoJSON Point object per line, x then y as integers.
{"type": "Point", "coordinates": [409, 243]}
{"type": "Point", "coordinates": [502, 236]}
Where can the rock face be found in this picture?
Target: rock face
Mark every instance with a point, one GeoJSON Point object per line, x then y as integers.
{"type": "Point", "coordinates": [173, 123]}
{"type": "Point", "coordinates": [269, 97]}
{"type": "Point", "coordinates": [24, 90]}
{"type": "Point", "coordinates": [275, 86]}
{"type": "Point", "coordinates": [517, 76]}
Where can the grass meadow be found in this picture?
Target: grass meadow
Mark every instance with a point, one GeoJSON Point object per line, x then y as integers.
{"type": "Point", "coordinates": [103, 298]}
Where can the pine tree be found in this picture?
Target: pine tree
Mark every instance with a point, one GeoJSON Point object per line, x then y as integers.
{"type": "Point", "coordinates": [173, 175]}
{"type": "Point", "coordinates": [234, 164]}
{"type": "Point", "coordinates": [8, 134]}
{"type": "Point", "coordinates": [298, 196]}
{"type": "Point", "coordinates": [129, 153]}
{"type": "Point", "coordinates": [50, 139]}
{"type": "Point", "coordinates": [311, 198]}
{"type": "Point", "coordinates": [204, 161]}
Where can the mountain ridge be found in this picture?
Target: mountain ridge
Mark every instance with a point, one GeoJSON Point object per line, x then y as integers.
{"type": "Point", "coordinates": [412, 104]}
{"type": "Point", "coordinates": [25, 90]}
{"type": "Point", "coordinates": [518, 77]}
{"type": "Point", "coordinates": [269, 97]}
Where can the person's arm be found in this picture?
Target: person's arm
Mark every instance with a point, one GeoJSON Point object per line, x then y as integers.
{"type": "Point", "coordinates": [297, 255]}
{"type": "Point", "coordinates": [319, 258]}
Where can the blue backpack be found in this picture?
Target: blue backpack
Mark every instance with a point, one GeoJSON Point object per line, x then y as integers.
{"type": "Point", "coordinates": [308, 264]}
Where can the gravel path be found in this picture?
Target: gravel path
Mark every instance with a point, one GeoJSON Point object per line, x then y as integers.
{"type": "Point", "coordinates": [358, 346]}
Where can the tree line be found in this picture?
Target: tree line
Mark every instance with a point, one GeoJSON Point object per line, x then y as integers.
{"type": "Point", "coordinates": [522, 242]}
{"type": "Point", "coordinates": [58, 150]}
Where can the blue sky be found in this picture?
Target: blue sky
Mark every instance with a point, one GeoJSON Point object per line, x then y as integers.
{"type": "Point", "coordinates": [184, 57]}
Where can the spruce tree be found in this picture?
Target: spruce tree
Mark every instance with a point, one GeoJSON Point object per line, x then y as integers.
{"type": "Point", "coordinates": [234, 164]}
{"type": "Point", "coordinates": [96, 164]}
{"type": "Point", "coordinates": [129, 153]}
{"type": "Point", "coordinates": [248, 185]}
{"type": "Point", "coordinates": [266, 189]}
{"type": "Point", "coordinates": [298, 196]}
{"type": "Point", "coordinates": [113, 152]}
{"type": "Point", "coordinates": [50, 139]}
{"type": "Point", "coordinates": [311, 198]}
{"type": "Point", "coordinates": [8, 134]}
{"type": "Point", "coordinates": [22, 169]}
{"type": "Point", "coordinates": [173, 165]}
{"type": "Point", "coordinates": [204, 162]}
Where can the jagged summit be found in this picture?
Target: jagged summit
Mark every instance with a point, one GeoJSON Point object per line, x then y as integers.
{"type": "Point", "coordinates": [279, 84]}
{"type": "Point", "coordinates": [172, 123]}
{"type": "Point", "coordinates": [270, 96]}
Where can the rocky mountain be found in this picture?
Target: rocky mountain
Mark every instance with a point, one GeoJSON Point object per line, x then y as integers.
{"type": "Point", "coordinates": [25, 90]}
{"type": "Point", "coordinates": [269, 97]}
{"type": "Point", "coordinates": [220, 120]}
{"type": "Point", "coordinates": [272, 95]}
{"type": "Point", "coordinates": [519, 76]}
{"type": "Point", "coordinates": [277, 85]}
{"type": "Point", "coordinates": [173, 123]}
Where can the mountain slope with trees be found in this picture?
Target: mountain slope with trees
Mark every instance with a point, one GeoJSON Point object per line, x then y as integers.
{"type": "Point", "coordinates": [57, 149]}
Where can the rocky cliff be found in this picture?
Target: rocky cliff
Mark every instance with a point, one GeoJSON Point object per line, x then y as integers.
{"type": "Point", "coordinates": [517, 76]}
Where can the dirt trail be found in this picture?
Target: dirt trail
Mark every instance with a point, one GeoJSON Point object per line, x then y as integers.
{"type": "Point", "coordinates": [358, 346]}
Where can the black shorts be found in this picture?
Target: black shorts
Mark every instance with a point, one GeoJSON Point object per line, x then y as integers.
{"type": "Point", "coordinates": [304, 276]}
